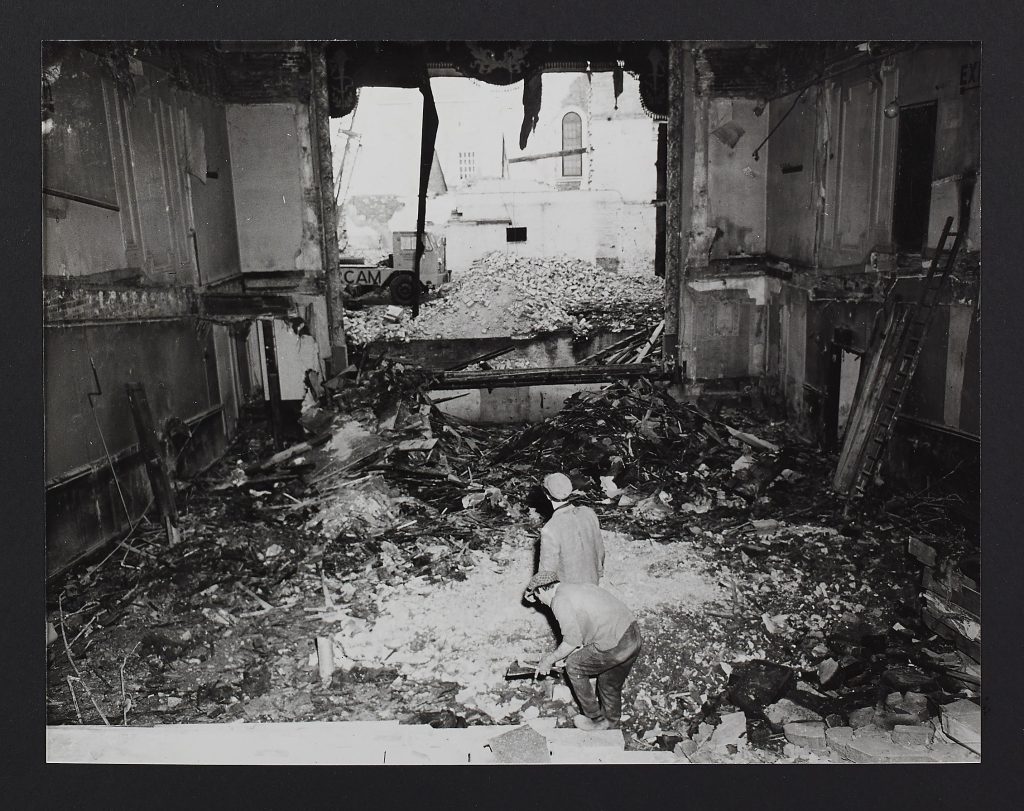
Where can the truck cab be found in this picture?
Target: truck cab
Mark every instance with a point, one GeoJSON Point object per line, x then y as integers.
{"type": "Point", "coordinates": [397, 274]}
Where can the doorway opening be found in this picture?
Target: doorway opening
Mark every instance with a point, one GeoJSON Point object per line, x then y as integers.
{"type": "Point", "coordinates": [915, 154]}
{"type": "Point", "coordinates": [844, 373]}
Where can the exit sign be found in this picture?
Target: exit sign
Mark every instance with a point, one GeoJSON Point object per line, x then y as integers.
{"type": "Point", "coordinates": [970, 76]}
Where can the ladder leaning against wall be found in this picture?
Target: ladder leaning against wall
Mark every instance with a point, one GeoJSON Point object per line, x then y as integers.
{"type": "Point", "coordinates": [886, 381]}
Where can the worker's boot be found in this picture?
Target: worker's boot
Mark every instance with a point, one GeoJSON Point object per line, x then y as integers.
{"type": "Point", "coordinates": [589, 724]}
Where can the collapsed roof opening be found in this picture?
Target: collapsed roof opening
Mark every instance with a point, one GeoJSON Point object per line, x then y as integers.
{"type": "Point", "coordinates": [554, 241]}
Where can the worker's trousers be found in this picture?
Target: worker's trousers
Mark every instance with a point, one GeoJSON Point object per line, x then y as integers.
{"type": "Point", "coordinates": [611, 668]}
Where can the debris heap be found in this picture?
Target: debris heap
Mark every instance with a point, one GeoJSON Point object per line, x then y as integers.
{"type": "Point", "coordinates": [508, 295]}
{"type": "Point", "coordinates": [334, 580]}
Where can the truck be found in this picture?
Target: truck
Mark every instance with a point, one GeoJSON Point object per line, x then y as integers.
{"type": "Point", "coordinates": [397, 272]}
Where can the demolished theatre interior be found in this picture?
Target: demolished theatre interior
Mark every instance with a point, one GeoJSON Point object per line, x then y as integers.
{"type": "Point", "coordinates": [731, 289]}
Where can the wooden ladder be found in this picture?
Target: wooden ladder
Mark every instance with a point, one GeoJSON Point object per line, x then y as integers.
{"type": "Point", "coordinates": [908, 350]}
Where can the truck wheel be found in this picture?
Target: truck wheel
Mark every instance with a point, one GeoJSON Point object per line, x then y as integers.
{"type": "Point", "coordinates": [402, 288]}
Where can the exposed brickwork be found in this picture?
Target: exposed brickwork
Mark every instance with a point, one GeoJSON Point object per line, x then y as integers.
{"type": "Point", "coordinates": [67, 303]}
{"type": "Point", "coordinates": [255, 72]}
{"type": "Point", "coordinates": [266, 77]}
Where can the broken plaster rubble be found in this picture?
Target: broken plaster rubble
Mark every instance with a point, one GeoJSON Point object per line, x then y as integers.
{"type": "Point", "coordinates": [701, 582]}
{"type": "Point", "coordinates": [508, 295]}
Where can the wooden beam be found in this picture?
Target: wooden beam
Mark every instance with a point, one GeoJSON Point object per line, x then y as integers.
{"type": "Point", "coordinates": [273, 381]}
{"type": "Point", "coordinates": [321, 119]}
{"type": "Point", "coordinates": [495, 353]}
{"type": "Point", "coordinates": [253, 304]}
{"type": "Point", "coordinates": [870, 389]}
{"type": "Point", "coordinates": [650, 342]}
{"type": "Point", "coordinates": [674, 182]}
{"type": "Point", "coordinates": [512, 378]}
{"type": "Point", "coordinates": [156, 466]}
{"type": "Point", "coordinates": [560, 154]}
{"type": "Point", "coordinates": [696, 247]}
{"type": "Point", "coordinates": [608, 350]}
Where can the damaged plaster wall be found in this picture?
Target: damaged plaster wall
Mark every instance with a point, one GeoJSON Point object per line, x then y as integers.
{"type": "Point", "coordinates": [80, 157]}
{"type": "Point", "coordinates": [177, 363]}
{"type": "Point", "coordinates": [820, 199]}
{"type": "Point", "coordinates": [228, 380]}
{"type": "Point", "coordinates": [558, 223]}
{"type": "Point", "coordinates": [626, 175]}
{"type": "Point", "coordinates": [946, 379]}
{"type": "Point", "coordinates": [297, 353]}
{"type": "Point", "coordinates": [960, 403]}
{"type": "Point", "coordinates": [951, 77]}
{"type": "Point", "coordinates": [831, 174]}
{"type": "Point", "coordinates": [729, 315]}
{"type": "Point", "coordinates": [120, 291]}
{"type": "Point", "coordinates": [793, 181]}
{"type": "Point", "coordinates": [793, 346]}
{"type": "Point", "coordinates": [831, 163]}
{"type": "Point", "coordinates": [736, 182]}
{"type": "Point", "coordinates": [212, 191]}
{"type": "Point", "coordinates": [313, 309]}
{"type": "Point", "coordinates": [142, 154]}
{"type": "Point", "coordinates": [275, 187]}
{"type": "Point", "coordinates": [627, 233]}
{"type": "Point", "coordinates": [121, 352]}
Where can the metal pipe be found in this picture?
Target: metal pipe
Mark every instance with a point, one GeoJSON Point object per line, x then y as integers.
{"type": "Point", "coordinates": [90, 201]}
{"type": "Point", "coordinates": [195, 251]}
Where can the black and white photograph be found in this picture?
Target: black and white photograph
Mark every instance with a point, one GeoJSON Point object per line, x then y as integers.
{"type": "Point", "coordinates": [448, 402]}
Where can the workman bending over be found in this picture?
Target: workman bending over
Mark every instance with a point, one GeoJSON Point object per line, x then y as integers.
{"type": "Point", "coordinates": [570, 541]}
{"type": "Point", "coordinates": [600, 637]}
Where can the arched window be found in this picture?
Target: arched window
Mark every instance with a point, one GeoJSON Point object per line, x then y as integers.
{"type": "Point", "coordinates": [572, 138]}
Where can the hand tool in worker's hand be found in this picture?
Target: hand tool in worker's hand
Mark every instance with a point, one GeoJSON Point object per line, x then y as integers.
{"type": "Point", "coordinates": [525, 670]}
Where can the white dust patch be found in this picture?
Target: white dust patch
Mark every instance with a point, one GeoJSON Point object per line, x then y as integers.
{"type": "Point", "coordinates": [646, 575]}
{"type": "Point", "coordinates": [351, 439]}
{"type": "Point", "coordinates": [470, 631]}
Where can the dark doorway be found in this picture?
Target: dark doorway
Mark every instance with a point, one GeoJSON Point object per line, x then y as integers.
{"type": "Point", "coordinates": [915, 153]}
{"type": "Point", "coordinates": [842, 375]}
{"type": "Point", "coordinates": [242, 360]}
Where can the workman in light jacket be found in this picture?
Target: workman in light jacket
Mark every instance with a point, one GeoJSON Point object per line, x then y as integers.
{"type": "Point", "coordinates": [600, 637]}
{"type": "Point", "coordinates": [570, 541]}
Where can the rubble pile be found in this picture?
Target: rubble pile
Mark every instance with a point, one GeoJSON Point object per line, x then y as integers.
{"type": "Point", "coordinates": [654, 454]}
{"type": "Point", "coordinates": [951, 600]}
{"type": "Point", "coordinates": [508, 295]}
{"type": "Point", "coordinates": [375, 571]}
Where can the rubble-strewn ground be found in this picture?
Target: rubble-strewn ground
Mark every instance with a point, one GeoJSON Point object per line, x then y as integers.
{"type": "Point", "coordinates": [507, 295]}
{"type": "Point", "coordinates": [720, 533]}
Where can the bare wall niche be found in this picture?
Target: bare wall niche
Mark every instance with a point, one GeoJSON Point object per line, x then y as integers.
{"type": "Point", "coordinates": [736, 182]}
{"type": "Point", "coordinates": [266, 161]}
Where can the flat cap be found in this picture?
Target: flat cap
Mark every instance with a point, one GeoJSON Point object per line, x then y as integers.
{"type": "Point", "coordinates": [558, 485]}
{"type": "Point", "coordinates": [539, 581]}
